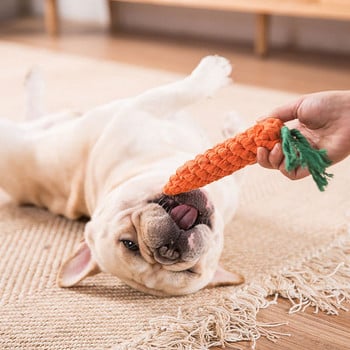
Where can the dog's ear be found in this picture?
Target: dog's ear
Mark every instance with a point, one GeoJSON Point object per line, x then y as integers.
{"type": "Point", "coordinates": [77, 267]}
{"type": "Point", "coordinates": [223, 278]}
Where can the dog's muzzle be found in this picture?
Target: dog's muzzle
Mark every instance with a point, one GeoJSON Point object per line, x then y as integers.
{"type": "Point", "coordinates": [180, 234]}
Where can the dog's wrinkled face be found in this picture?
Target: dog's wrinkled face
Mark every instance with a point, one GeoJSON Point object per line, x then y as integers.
{"type": "Point", "coordinates": [162, 245]}
{"type": "Point", "coordinates": [173, 230]}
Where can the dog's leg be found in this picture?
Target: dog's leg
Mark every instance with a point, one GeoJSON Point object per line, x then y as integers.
{"type": "Point", "coordinates": [15, 155]}
{"type": "Point", "coordinates": [211, 74]}
{"type": "Point", "coordinates": [36, 118]}
{"type": "Point", "coordinates": [35, 87]}
{"type": "Point", "coordinates": [50, 120]}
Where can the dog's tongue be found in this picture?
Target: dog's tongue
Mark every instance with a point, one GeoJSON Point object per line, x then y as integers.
{"type": "Point", "coordinates": [184, 215]}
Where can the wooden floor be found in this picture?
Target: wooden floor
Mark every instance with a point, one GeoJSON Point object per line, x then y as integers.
{"type": "Point", "coordinates": [291, 71]}
{"type": "Point", "coordinates": [282, 70]}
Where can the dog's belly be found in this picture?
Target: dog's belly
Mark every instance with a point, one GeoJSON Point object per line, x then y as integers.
{"type": "Point", "coordinates": [48, 169]}
{"type": "Point", "coordinates": [51, 193]}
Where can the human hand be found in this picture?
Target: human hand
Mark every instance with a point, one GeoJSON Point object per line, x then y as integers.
{"type": "Point", "coordinates": [323, 118]}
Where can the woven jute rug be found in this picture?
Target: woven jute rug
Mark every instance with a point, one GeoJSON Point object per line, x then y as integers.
{"type": "Point", "coordinates": [287, 238]}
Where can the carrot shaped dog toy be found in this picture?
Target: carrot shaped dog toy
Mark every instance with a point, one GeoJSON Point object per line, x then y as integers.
{"type": "Point", "coordinates": [237, 152]}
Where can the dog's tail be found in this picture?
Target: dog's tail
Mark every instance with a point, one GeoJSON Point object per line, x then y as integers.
{"type": "Point", "coordinates": [35, 89]}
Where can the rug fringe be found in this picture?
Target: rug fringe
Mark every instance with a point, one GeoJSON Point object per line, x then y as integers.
{"type": "Point", "coordinates": [321, 281]}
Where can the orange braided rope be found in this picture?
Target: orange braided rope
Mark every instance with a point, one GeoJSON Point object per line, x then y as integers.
{"type": "Point", "coordinates": [225, 158]}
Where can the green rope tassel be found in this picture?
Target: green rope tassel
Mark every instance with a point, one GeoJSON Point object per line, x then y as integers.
{"type": "Point", "coordinates": [298, 152]}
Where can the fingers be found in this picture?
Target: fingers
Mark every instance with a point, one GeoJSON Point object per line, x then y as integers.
{"type": "Point", "coordinates": [296, 174]}
{"type": "Point", "coordinates": [270, 160]}
{"type": "Point", "coordinates": [300, 173]}
{"type": "Point", "coordinates": [275, 160]}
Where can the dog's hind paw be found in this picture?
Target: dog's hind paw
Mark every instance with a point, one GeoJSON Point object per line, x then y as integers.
{"type": "Point", "coordinates": [212, 73]}
{"type": "Point", "coordinates": [35, 87]}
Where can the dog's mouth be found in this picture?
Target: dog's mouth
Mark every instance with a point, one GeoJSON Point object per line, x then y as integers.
{"type": "Point", "coordinates": [178, 239]}
{"type": "Point", "coordinates": [185, 216]}
{"type": "Point", "coordinates": [187, 209]}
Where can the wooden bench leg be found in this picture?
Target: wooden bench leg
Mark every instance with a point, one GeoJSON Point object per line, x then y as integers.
{"type": "Point", "coordinates": [112, 5]}
{"type": "Point", "coordinates": [261, 38]}
{"type": "Point", "coordinates": [51, 17]}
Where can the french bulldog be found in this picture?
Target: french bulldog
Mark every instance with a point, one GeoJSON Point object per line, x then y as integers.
{"type": "Point", "coordinates": [110, 165]}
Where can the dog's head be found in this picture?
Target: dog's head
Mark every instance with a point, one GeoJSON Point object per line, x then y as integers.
{"type": "Point", "coordinates": [158, 244]}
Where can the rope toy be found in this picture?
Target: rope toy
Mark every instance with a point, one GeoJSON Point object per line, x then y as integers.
{"type": "Point", "coordinates": [237, 152]}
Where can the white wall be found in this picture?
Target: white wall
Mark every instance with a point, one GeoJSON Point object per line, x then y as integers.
{"type": "Point", "coordinates": [9, 8]}
{"type": "Point", "coordinates": [285, 31]}
{"type": "Point", "coordinates": [95, 11]}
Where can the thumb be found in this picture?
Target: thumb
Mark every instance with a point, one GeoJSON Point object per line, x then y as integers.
{"type": "Point", "coordinates": [285, 112]}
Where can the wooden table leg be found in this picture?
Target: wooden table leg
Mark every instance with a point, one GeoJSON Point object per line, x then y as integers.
{"type": "Point", "coordinates": [261, 35]}
{"type": "Point", "coordinates": [113, 7]}
{"type": "Point", "coordinates": [51, 17]}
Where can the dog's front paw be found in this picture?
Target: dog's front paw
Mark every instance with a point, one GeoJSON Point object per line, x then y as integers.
{"type": "Point", "coordinates": [212, 73]}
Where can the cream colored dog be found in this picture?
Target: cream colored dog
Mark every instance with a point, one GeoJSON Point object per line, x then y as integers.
{"type": "Point", "coordinates": [110, 164]}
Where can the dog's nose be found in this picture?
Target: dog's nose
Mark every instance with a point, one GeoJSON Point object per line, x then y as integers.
{"type": "Point", "coordinates": [169, 253]}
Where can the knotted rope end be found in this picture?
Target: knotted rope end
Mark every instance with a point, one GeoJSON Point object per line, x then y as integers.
{"type": "Point", "coordinates": [298, 152]}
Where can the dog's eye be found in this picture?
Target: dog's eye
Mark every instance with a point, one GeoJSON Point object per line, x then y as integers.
{"type": "Point", "coordinates": [130, 245]}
